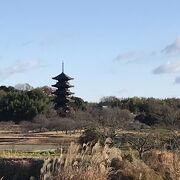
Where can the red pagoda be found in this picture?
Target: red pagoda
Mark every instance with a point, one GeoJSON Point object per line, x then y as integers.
{"type": "Point", "coordinates": [62, 93]}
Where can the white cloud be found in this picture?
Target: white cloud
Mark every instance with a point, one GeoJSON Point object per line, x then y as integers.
{"type": "Point", "coordinates": [174, 47]}
{"type": "Point", "coordinates": [19, 67]}
{"type": "Point", "coordinates": [128, 56]}
{"type": "Point", "coordinates": [46, 42]}
{"type": "Point", "coordinates": [168, 68]}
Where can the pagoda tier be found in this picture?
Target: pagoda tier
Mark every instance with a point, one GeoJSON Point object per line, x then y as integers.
{"type": "Point", "coordinates": [61, 111]}
{"type": "Point", "coordinates": [62, 93]}
{"type": "Point", "coordinates": [63, 99]}
{"type": "Point", "coordinates": [63, 77]}
{"type": "Point", "coordinates": [62, 85]}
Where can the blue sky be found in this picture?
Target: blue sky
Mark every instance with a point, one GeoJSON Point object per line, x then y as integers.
{"type": "Point", "coordinates": [122, 48]}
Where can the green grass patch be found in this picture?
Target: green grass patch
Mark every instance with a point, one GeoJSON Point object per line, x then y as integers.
{"type": "Point", "coordinates": [28, 154]}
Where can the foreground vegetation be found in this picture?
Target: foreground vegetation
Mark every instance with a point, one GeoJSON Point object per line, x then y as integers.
{"type": "Point", "coordinates": [109, 162]}
{"type": "Point", "coordinates": [101, 154]}
{"type": "Point", "coordinates": [93, 161]}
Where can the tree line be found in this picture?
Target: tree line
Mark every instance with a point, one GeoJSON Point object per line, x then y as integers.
{"type": "Point", "coordinates": [151, 111]}
{"type": "Point", "coordinates": [16, 105]}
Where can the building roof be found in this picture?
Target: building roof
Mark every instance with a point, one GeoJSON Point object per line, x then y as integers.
{"type": "Point", "coordinates": [63, 76]}
{"type": "Point", "coordinates": [62, 85]}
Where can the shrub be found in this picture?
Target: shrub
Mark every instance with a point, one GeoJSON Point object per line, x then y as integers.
{"type": "Point", "coordinates": [92, 136]}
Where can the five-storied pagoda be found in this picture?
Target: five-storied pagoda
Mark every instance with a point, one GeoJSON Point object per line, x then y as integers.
{"type": "Point", "coordinates": [62, 93]}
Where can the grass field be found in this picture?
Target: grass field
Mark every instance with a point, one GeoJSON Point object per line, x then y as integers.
{"type": "Point", "coordinates": [16, 143]}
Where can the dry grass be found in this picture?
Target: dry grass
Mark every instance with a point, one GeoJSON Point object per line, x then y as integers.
{"type": "Point", "coordinates": [77, 164]}
{"type": "Point", "coordinates": [167, 163]}
{"type": "Point", "coordinates": [101, 164]}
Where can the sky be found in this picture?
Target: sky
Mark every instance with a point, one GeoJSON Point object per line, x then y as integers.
{"type": "Point", "coordinates": [121, 48]}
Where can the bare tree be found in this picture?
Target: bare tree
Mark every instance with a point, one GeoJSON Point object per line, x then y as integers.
{"type": "Point", "coordinates": [142, 144]}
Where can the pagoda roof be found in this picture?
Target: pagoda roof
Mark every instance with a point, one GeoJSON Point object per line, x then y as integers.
{"type": "Point", "coordinates": [65, 85]}
{"type": "Point", "coordinates": [63, 93]}
{"type": "Point", "coordinates": [62, 76]}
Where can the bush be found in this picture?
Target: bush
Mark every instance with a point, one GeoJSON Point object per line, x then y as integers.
{"type": "Point", "coordinates": [91, 136]}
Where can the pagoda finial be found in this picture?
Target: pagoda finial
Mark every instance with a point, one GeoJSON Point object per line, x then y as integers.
{"type": "Point", "coordinates": [63, 66]}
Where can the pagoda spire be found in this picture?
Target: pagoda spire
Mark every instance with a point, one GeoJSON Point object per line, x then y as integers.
{"type": "Point", "coordinates": [63, 66]}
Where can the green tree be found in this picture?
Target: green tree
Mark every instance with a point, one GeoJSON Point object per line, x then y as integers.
{"type": "Point", "coordinates": [22, 105]}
